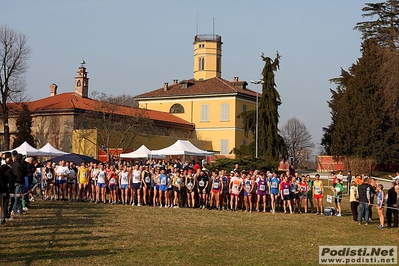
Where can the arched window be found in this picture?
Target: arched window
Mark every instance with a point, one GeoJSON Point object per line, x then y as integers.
{"type": "Point", "coordinates": [78, 83]}
{"type": "Point", "coordinates": [176, 109]}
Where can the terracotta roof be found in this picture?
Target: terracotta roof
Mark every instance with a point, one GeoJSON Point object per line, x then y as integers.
{"type": "Point", "coordinates": [192, 87]}
{"type": "Point", "coordinates": [69, 101]}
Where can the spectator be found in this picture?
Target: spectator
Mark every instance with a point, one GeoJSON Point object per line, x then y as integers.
{"type": "Point", "coordinates": [364, 201]}
{"type": "Point", "coordinates": [20, 172]}
{"type": "Point", "coordinates": [380, 204]}
{"type": "Point", "coordinates": [392, 206]}
{"type": "Point", "coordinates": [349, 182]}
{"type": "Point", "coordinates": [353, 198]}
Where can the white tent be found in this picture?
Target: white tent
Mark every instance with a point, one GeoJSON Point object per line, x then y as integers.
{"type": "Point", "coordinates": [142, 152]}
{"type": "Point", "coordinates": [182, 147]}
{"type": "Point", "coordinates": [28, 150]}
{"type": "Point", "coordinates": [51, 151]}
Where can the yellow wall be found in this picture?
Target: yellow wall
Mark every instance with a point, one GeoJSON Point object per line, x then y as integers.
{"type": "Point", "coordinates": [214, 129]}
{"type": "Point", "coordinates": [89, 146]}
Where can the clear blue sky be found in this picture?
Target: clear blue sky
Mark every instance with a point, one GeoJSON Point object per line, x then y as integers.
{"type": "Point", "coordinates": [133, 46]}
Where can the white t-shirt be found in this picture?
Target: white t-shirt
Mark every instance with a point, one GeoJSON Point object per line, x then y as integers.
{"type": "Point", "coordinates": [136, 176]}
{"type": "Point", "coordinates": [61, 170]}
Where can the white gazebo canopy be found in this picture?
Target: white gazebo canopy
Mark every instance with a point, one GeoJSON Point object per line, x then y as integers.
{"type": "Point", "coordinates": [28, 150]}
{"type": "Point", "coordinates": [51, 151]}
{"type": "Point", "coordinates": [142, 152]}
{"type": "Point", "coordinates": [182, 147]}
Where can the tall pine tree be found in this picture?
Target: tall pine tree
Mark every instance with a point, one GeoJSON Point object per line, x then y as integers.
{"type": "Point", "coordinates": [271, 145]}
{"type": "Point", "coordinates": [24, 128]}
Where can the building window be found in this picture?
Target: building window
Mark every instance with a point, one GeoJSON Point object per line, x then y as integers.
{"type": "Point", "coordinates": [161, 132]}
{"type": "Point", "coordinates": [201, 63]}
{"type": "Point", "coordinates": [224, 112]}
{"type": "Point", "coordinates": [201, 45]}
{"type": "Point", "coordinates": [244, 142]}
{"type": "Point", "coordinates": [205, 113]}
{"type": "Point", "coordinates": [176, 109]}
{"type": "Point", "coordinates": [78, 83]}
{"type": "Point", "coordinates": [224, 146]}
{"type": "Point", "coordinates": [218, 65]}
{"type": "Point", "coordinates": [244, 109]}
{"type": "Point", "coordinates": [173, 134]}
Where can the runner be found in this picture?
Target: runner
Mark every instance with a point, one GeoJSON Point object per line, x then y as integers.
{"type": "Point", "coordinates": [303, 194]}
{"type": "Point", "coordinates": [163, 187]}
{"type": "Point", "coordinates": [225, 195]}
{"type": "Point", "coordinates": [156, 186]}
{"type": "Point", "coordinates": [136, 179]}
{"type": "Point", "coordinates": [235, 190]}
{"type": "Point", "coordinates": [262, 183]}
{"type": "Point", "coordinates": [124, 181]}
{"type": "Point", "coordinates": [294, 194]}
{"type": "Point", "coordinates": [217, 187]}
{"type": "Point", "coordinates": [177, 188]}
{"type": "Point", "coordinates": [318, 191]}
{"type": "Point", "coordinates": [380, 204]}
{"type": "Point", "coordinates": [338, 189]}
{"type": "Point", "coordinates": [274, 191]}
{"type": "Point", "coordinates": [310, 193]}
{"type": "Point", "coordinates": [49, 177]}
{"type": "Point", "coordinates": [72, 180]}
{"type": "Point", "coordinates": [146, 184]}
{"type": "Point", "coordinates": [101, 184]}
{"type": "Point", "coordinates": [191, 183]}
{"type": "Point", "coordinates": [285, 194]}
{"type": "Point", "coordinates": [83, 180]}
{"type": "Point", "coordinates": [112, 178]}
{"type": "Point", "coordinates": [202, 184]}
{"type": "Point", "coordinates": [93, 181]}
{"type": "Point", "coordinates": [62, 173]}
{"type": "Point", "coordinates": [248, 187]}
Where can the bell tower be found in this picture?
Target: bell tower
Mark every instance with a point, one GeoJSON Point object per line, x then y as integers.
{"type": "Point", "coordinates": [207, 56]}
{"type": "Point", "coordinates": [82, 81]}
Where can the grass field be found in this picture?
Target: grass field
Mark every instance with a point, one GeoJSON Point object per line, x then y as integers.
{"type": "Point", "coordinates": [71, 233]}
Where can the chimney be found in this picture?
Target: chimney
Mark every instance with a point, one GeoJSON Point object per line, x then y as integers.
{"type": "Point", "coordinates": [235, 79]}
{"type": "Point", "coordinates": [165, 86]}
{"type": "Point", "coordinates": [175, 81]}
{"type": "Point", "coordinates": [53, 89]}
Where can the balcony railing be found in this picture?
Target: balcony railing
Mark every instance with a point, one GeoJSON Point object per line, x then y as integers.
{"type": "Point", "coordinates": [207, 37]}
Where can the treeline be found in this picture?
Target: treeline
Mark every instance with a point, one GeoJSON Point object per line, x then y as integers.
{"type": "Point", "coordinates": [365, 105]}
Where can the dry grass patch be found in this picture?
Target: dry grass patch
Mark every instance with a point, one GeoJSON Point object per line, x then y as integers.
{"type": "Point", "coordinates": [97, 234]}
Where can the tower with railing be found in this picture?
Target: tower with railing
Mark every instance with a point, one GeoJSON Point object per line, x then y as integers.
{"type": "Point", "coordinates": [207, 56]}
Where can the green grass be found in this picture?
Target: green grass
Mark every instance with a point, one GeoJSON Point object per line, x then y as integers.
{"type": "Point", "coordinates": [70, 233]}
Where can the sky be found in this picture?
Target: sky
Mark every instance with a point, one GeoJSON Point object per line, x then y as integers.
{"type": "Point", "coordinates": [131, 46]}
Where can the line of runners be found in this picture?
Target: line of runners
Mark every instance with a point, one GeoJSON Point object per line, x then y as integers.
{"type": "Point", "coordinates": [183, 187]}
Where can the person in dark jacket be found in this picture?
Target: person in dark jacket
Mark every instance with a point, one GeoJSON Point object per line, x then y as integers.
{"type": "Point", "coordinates": [391, 203]}
{"type": "Point", "coordinates": [20, 172]}
{"type": "Point", "coordinates": [7, 178]}
{"type": "Point", "coordinates": [364, 201]}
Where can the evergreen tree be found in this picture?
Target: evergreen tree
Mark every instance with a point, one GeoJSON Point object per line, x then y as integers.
{"type": "Point", "coordinates": [359, 126]}
{"type": "Point", "coordinates": [365, 105]}
{"type": "Point", "coordinates": [24, 128]}
{"type": "Point", "coordinates": [385, 27]}
{"type": "Point", "coordinates": [271, 145]}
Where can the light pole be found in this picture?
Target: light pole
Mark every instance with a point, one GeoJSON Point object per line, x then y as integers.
{"type": "Point", "coordinates": [257, 82]}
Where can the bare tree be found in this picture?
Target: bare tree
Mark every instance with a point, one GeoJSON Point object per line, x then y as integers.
{"type": "Point", "coordinates": [298, 140]}
{"type": "Point", "coordinates": [14, 55]}
{"type": "Point", "coordinates": [117, 125]}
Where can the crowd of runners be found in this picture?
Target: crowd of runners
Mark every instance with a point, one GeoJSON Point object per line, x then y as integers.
{"type": "Point", "coordinates": [178, 185]}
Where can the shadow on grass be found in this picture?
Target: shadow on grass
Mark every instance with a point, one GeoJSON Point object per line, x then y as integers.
{"type": "Point", "coordinates": [53, 231]}
{"type": "Point", "coordinates": [28, 258]}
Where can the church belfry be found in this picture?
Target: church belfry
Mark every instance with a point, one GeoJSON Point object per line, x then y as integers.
{"type": "Point", "coordinates": [207, 56]}
{"type": "Point", "coordinates": [82, 81]}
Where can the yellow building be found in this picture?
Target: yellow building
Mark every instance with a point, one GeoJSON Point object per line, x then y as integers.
{"type": "Point", "coordinates": [208, 101]}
